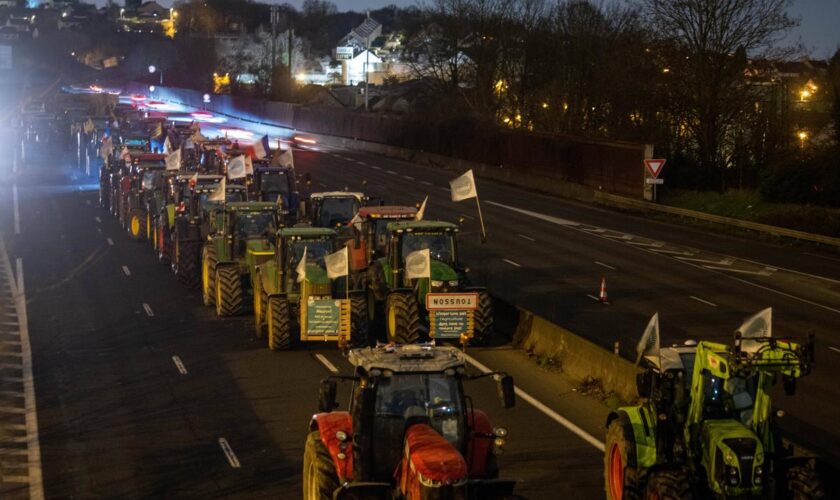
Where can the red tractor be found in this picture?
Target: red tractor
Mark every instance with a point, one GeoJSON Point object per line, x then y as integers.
{"type": "Point", "coordinates": [410, 432]}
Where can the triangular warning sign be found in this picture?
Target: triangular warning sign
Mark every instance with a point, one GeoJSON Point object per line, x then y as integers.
{"type": "Point", "coordinates": [654, 167]}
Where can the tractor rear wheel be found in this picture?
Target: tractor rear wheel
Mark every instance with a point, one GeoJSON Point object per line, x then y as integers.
{"type": "Point", "coordinates": [260, 304]}
{"type": "Point", "coordinates": [620, 473]}
{"type": "Point", "coordinates": [402, 318]}
{"type": "Point", "coordinates": [483, 320]}
{"type": "Point", "coordinates": [137, 224]}
{"type": "Point", "coordinates": [228, 291]}
{"type": "Point", "coordinates": [359, 324]}
{"type": "Point", "coordinates": [668, 485]}
{"type": "Point", "coordinates": [320, 479]}
{"type": "Point", "coordinates": [803, 483]}
{"type": "Point", "coordinates": [208, 274]}
{"type": "Point", "coordinates": [279, 324]}
{"type": "Point", "coordinates": [186, 262]}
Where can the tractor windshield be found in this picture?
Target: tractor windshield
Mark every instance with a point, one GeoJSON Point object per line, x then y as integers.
{"type": "Point", "coordinates": [316, 250]}
{"type": "Point", "coordinates": [441, 245]}
{"type": "Point", "coordinates": [255, 224]}
{"type": "Point", "coordinates": [337, 210]}
{"type": "Point", "coordinates": [731, 398]}
{"type": "Point", "coordinates": [274, 184]}
{"type": "Point", "coordinates": [148, 181]}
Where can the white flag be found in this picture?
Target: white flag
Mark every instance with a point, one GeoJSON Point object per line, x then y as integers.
{"type": "Point", "coordinates": [356, 222]}
{"type": "Point", "coordinates": [173, 160]}
{"type": "Point", "coordinates": [648, 346]}
{"type": "Point", "coordinates": [418, 264]}
{"type": "Point", "coordinates": [337, 264]}
{"type": "Point", "coordinates": [421, 210]}
{"type": "Point", "coordinates": [218, 194]}
{"type": "Point", "coordinates": [284, 158]}
{"type": "Point", "coordinates": [194, 179]}
{"type": "Point", "coordinates": [167, 146]}
{"type": "Point", "coordinates": [758, 326]}
{"type": "Point", "coordinates": [301, 267]}
{"type": "Point", "coordinates": [249, 166]}
{"type": "Point", "coordinates": [236, 168]}
{"type": "Point", "coordinates": [106, 149]}
{"type": "Point", "coordinates": [463, 188]}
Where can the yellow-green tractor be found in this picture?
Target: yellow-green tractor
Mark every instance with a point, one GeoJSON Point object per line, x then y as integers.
{"type": "Point", "coordinates": [706, 426]}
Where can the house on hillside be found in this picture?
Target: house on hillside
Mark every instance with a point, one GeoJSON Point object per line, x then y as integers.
{"type": "Point", "coordinates": [363, 35]}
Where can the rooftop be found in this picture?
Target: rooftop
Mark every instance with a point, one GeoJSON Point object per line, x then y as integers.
{"type": "Point", "coordinates": [407, 358]}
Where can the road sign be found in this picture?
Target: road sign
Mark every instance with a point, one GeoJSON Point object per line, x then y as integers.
{"type": "Point", "coordinates": [343, 53]}
{"type": "Point", "coordinates": [654, 167]}
{"type": "Point", "coordinates": [449, 324]}
{"type": "Point", "coordinates": [451, 301]}
{"type": "Point", "coordinates": [651, 180]}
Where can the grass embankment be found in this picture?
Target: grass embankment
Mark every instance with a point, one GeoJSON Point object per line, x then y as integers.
{"type": "Point", "coordinates": [748, 205]}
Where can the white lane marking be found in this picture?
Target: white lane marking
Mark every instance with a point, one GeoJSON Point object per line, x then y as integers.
{"type": "Point", "coordinates": [36, 484]}
{"type": "Point", "coordinates": [231, 456]}
{"type": "Point", "coordinates": [110, 241]}
{"type": "Point", "coordinates": [728, 261]}
{"type": "Point", "coordinates": [698, 299]}
{"type": "Point", "coordinates": [324, 361]}
{"type": "Point", "coordinates": [512, 263]}
{"type": "Point", "coordinates": [553, 415]}
{"type": "Point", "coordinates": [596, 299]}
{"type": "Point", "coordinates": [16, 208]}
{"type": "Point", "coordinates": [467, 216]}
{"type": "Point", "coordinates": [361, 163]}
{"type": "Point", "coordinates": [427, 183]}
{"type": "Point", "coordinates": [390, 172]}
{"type": "Point", "coordinates": [179, 365]}
{"type": "Point", "coordinates": [444, 189]}
{"type": "Point", "coordinates": [526, 237]}
{"type": "Point", "coordinates": [671, 252]}
{"type": "Point", "coordinates": [148, 309]}
{"type": "Point", "coordinates": [834, 349]}
{"type": "Point", "coordinates": [126, 270]}
{"type": "Point", "coordinates": [408, 177]}
{"type": "Point", "coordinates": [97, 219]}
{"type": "Point", "coordinates": [375, 167]}
{"type": "Point", "coordinates": [655, 244]}
{"type": "Point", "coordinates": [605, 265]}
{"type": "Point", "coordinates": [322, 184]}
{"type": "Point", "coordinates": [742, 271]}
{"type": "Point", "coordinates": [537, 215]}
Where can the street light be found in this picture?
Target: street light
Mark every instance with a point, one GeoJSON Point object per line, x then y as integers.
{"type": "Point", "coordinates": [803, 136]}
{"type": "Point", "coordinates": [152, 69]}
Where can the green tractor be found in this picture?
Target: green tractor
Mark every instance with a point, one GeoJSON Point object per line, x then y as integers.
{"type": "Point", "coordinates": [408, 303]}
{"type": "Point", "coordinates": [318, 308]}
{"type": "Point", "coordinates": [706, 426]}
{"type": "Point", "coordinates": [241, 239]}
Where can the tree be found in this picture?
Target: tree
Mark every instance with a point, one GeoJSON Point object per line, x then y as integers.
{"type": "Point", "coordinates": [705, 44]}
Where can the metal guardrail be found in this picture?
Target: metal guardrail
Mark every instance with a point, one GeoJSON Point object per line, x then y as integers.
{"type": "Point", "coordinates": [624, 202]}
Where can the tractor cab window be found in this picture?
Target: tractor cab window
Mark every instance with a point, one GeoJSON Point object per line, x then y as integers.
{"type": "Point", "coordinates": [441, 245]}
{"type": "Point", "coordinates": [148, 179]}
{"type": "Point", "coordinates": [235, 195]}
{"type": "Point", "coordinates": [732, 398]}
{"type": "Point", "coordinates": [335, 211]}
{"type": "Point", "coordinates": [274, 184]}
{"type": "Point", "coordinates": [380, 235]}
{"type": "Point", "coordinates": [254, 225]}
{"type": "Point", "coordinates": [316, 250]}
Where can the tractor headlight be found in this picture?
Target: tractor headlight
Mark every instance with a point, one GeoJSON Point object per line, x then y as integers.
{"type": "Point", "coordinates": [732, 476]}
{"type": "Point", "coordinates": [436, 283]}
{"type": "Point", "coordinates": [453, 282]}
{"type": "Point", "coordinates": [500, 432]}
{"type": "Point", "coordinates": [499, 442]}
{"type": "Point", "coordinates": [757, 475]}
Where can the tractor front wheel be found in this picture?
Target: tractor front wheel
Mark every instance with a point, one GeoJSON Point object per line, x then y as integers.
{"type": "Point", "coordinates": [279, 324]}
{"type": "Point", "coordinates": [228, 291]}
{"type": "Point", "coordinates": [137, 224]}
{"type": "Point", "coordinates": [803, 483]}
{"type": "Point", "coordinates": [668, 485]}
{"type": "Point", "coordinates": [359, 324]}
{"type": "Point", "coordinates": [320, 479]}
{"type": "Point", "coordinates": [620, 473]}
{"type": "Point", "coordinates": [402, 318]}
{"type": "Point", "coordinates": [483, 320]}
{"type": "Point", "coordinates": [208, 275]}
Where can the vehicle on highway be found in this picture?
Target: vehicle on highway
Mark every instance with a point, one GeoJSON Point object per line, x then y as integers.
{"type": "Point", "coordinates": [242, 239]}
{"type": "Point", "coordinates": [370, 237]}
{"type": "Point", "coordinates": [410, 431]}
{"type": "Point", "coordinates": [270, 183]}
{"type": "Point", "coordinates": [402, 301]}
{"type": "Point", "coordinates": [707, 427]}
{"type": "Point", "coordinates": [136, 185]}
{"type": "Point", "coordinates": [334, 209]}
{"type": "Point", "coordinates": [295, 301]}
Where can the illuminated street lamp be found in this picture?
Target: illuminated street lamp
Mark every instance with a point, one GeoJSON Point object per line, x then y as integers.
{"type": "Point", "coordinates": [152, 70]}
{"type": "Point", "coordinates": [803, 137]}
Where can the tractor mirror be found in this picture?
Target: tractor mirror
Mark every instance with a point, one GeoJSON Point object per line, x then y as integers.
{"type": "Point", "coordinates": [789, 383]}
{"type": "Point", "coordinates": [507, 392]}
{"type": "Point", "coordinates": [326, 395]}
{"type": "Point", "coordinates": [644, 383]}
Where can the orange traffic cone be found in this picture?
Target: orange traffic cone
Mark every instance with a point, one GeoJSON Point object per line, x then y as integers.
{"type": "Point", "coordinates": [602, 296]}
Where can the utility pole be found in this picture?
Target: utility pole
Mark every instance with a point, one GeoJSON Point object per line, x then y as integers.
{"type": "Point", "coordinates": [275, 14]}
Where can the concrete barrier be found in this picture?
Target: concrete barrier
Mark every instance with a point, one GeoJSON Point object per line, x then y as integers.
{"type": "Point", "coordinates": [576, 357]}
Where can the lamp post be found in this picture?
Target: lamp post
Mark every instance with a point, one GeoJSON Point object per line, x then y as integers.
{"type": "Point", "coordinates": [152, 70]}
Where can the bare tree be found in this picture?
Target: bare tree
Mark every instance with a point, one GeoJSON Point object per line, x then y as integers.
{"type": "Point", "coordinates": [705, 44]}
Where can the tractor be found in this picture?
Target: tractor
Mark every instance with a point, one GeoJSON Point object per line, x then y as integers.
{"type": "Point", "coordinates": [370, 236]}
{"type": "Point", "coordinates": [706, 426]}
{"type": "Point", "coordinates": [270, 183]}
{"type": "Point", "coordinates": [135, 187]}
{"type": "Point", "coordinates": [405, 303]}
{"type": "Point", "coordinates": [288, 306]}
{"type": "Point", "coordinates": [410, 432]}
{"type": "Point", "coordinates": [242, 239]}
{"type": "Point", "coordinates": [334, 209]}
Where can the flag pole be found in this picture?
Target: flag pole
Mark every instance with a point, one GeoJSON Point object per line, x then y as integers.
{"type": "Point", "coordinates": [347, 276]}
{"type": "Point", "coordinates": [480, 219]}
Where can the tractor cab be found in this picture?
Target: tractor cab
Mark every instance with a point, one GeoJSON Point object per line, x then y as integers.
{"type": "Point", "coordinates": [439, 238]}
{"type": "Point", "coordinates": [371, 226]}
{"type": "Point", "coordinates": [248, 226]}
{"type": "Point", "coordinates": [410, 427]}
{"type": "Point", "coordinates": [334, 209]}
{"type": "Point", "coordinates": [275, 183]}
{"type": "Point", "coordinates": [210, 153]}
{"type": "Point", "coordinates": [317, 243]}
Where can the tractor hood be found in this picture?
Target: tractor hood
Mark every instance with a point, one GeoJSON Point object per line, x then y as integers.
{"type": "Point", "coordinates": [442, 272]}
{"type": "Point", "coordinates": [733, 457]}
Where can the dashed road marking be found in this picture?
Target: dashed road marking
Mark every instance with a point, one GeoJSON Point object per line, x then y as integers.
{"type": "Point", "coordinates": [322, 184]}
{"type": "Point", "coordinates": [728, 261]}
{"type": "Point", "coordinates": [427, 183]}
{"type": "Point", "coordinates": [148, 309]}
{"type": "Point", "coordinates": [527, 237]}
{"type": "Point", "coordinates": [375, 167]}
{"type": "Point", "coordinates": [834, 349]}
{"type": "Point", "coordinates": [655, 244]}
{"type": "Point", "coordinates": [110, 241]}
{"type": "Point", "coordinates": [605, 265]}
{"type": "Point", "coordinates": [596, 299]}
{"type": "Point", "coordinates": [512, 263]}
{"type": "Point", "coordinates": [126, 270]}
{"type": "Point", "coordinates": [390, 172]}
{"type": "Point", "coordinates": [671, 252]}
{"type": "Point", "coordinates": [698, 299]}
{"type": "Point", "coordinates": [545, 410]}
{"type": "Point", "coordinates": [324, 361]}
{"type": "Point", "coordinates": [231, 456]}
{"type": "Point", "coordinates": [179, 365]}
{"type": "Point", "coordinates": [741, 271]}
{"type": "Point", "coordinates": [408, 177]}
{"type": "Point", "coordinates": [361, 162]}
{"type": "Point", "coordinates": [97, 219]}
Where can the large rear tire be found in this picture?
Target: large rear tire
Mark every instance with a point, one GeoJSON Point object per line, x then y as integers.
{"type": "Point", "coordinates": [186, 262]}
{"type": "Point", "coordinates": [137, 224]}
{"type": "Point", "coordinates": [228, 291]}
{"type": "Point", "coordinates": [208, 274]}
{"type": "Point", "coordinates": [279, 324]}
{"type": "Point", "coordinates": [402, 318]}
{"type": "Point", "coordinates": [320, 478]}
{"type": "Point", "coordinates": [668, 485]}
{"type": "Point", "coordinates": [803, 483]}
{"type": "Point", "coordinates": [483, 320]}
{"type": "Point", "coordinates": [359, 324]}
{"type": "Point", "coordinates": [621, 480]}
